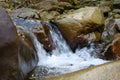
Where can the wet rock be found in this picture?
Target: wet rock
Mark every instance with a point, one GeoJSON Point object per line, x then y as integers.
{"type": "Point", "coordinates": [113, 51]}
{"type": "Point", "coordinates": [43, 35]}
{"type": "Point", "coordinates": [27, 57]}
{"type": "Point", "coordinates": [65, 5]}
{"type": "Point", "coordinates": [25, 13]}
{"type": "Point", "coordinates": [81, 21]}
{"type": "Point", "coordinates": [17, 56]}
{"type": "Point", "coordinates": [8, 48]}
{"type": "Point", "coordinates": [112, 27]}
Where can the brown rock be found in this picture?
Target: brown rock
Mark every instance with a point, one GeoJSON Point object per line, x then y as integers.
{"type": "Point", "coordinates": [28, 58]}
{"type": "Point", "coordinates": [17, 57]}
{"type": "Point", "coordinates": [8, 48]}
{"type": "Point", "coordinates": [43, 35]}
{"type": "Point", "coordinates": [25, 13]}
{"type": "Point", "coordinates": [112, 27]}
{"type": "Point", "coordinates": [49, 15]}
{"type": "Point", "coordinates": [27, 55]}
{"type": "Point", "coordinates": [113, 51]}
{"type": "Point", "coordinates": [79, 22]}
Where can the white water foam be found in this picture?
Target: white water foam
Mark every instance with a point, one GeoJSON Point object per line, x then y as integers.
{"type": "Point", "coordinates": [63, 60]}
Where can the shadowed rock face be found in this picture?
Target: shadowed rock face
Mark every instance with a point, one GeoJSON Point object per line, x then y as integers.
{"type": "Point", "coordinates": [8, 48]}
{"type": "Point", "coordinates": [18, 56]}
{"type": "Point", "coordinates": [43, 35]}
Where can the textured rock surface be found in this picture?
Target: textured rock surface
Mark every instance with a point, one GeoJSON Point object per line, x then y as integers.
{"type": "Point", "coordinates": [8, 48]}
{"type": "Point", "coordinates": [25, 13]}
{"type": "Point", "coordinates": [81, 21]}
{"type": "Point", "coordinates": [43, 35]}
{"type": "Point", "coordinates": [113, 51]}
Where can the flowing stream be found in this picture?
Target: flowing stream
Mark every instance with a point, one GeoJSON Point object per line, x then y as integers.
{"type": "Point", "coordinates": [62, 60]}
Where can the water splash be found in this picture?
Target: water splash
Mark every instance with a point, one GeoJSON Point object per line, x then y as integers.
{"type": "Point", "coordinates": [62, 60]}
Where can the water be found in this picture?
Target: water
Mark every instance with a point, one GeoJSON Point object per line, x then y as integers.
{"type": "Point", "coordinates": [62, 60]}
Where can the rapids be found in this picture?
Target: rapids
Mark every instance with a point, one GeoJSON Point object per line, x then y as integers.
{"type": "Point", "coordinates": [62, 59]}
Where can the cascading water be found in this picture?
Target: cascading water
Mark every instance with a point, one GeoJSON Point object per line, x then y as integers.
{"type": "Point", "coordinates": [62, 60]}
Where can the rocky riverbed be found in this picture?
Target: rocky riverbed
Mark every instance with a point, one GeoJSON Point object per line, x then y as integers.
{"type": "Point", "coordinates": [85, 26]}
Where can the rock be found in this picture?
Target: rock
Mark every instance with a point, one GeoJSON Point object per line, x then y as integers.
{"type": "Point", "coordinates": [113, 51]}
{"type": "Point", "coordinates": [25, 13]}
{"type": "Point", "coordinates": [43, 35]}
{"type": "Point", "coordinates": [94, 36]}
{"type": "Point", "coordinates": [116, 4]}
{"type": "Point", "coordinates": [105, 7]}
{"type": "Point", "coordinates": [27, 55]}
{"type": "Point", "coordinates": [17, 56]}
{"type": "Point", "coordinates": [28, 58]}
{"type": "Point", "coordinates": [112, 27]}
{"type": "Point", "coordinates": [116, 11]}
{"type": "Point", "coordinates": [81, 21]}
{"type": "Point", "coordinates": [47, 5]}
{"type": "Point", "coordinates": [3, 4]}
{"type": "Point", "coordinates": [8, 48]}
{"type": "Point", "coordinates": [49, 15]}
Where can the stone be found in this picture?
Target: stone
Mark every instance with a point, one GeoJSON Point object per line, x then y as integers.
{"type": "Point", "coordinates": [25, 13]}
{"type": "Point", "coordinates": [112, 27]}
{"type": "Point", "coordinates": [43, 35]}
{"type": "Point", "coordinates": [116, 4]}
{"type": "Point", "coordinates": [47, 5]}
{"type": "Point", "coordinates": [49, 15]}
{"type": "Point", "coordinates": [81, 21]}
{"type": "Point", "coordinates": [8, 48]}
{"type": "Point", "coordinates": [116, 11]}
{"type": "Point", "coordinates": [18, 55]}
{"type": "Point", "coordinates": [113, 51]}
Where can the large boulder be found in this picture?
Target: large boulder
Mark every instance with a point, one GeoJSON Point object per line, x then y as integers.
{"type": "Point", "coordinates": [17, 53]}
{"type": "Point", "coordinates": [79, 22]}
{"type": "Point", "coordinates": [8, 48]}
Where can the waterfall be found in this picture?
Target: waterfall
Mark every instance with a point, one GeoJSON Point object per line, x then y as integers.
{"type": "Point", "coordinates": [62, 60]}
